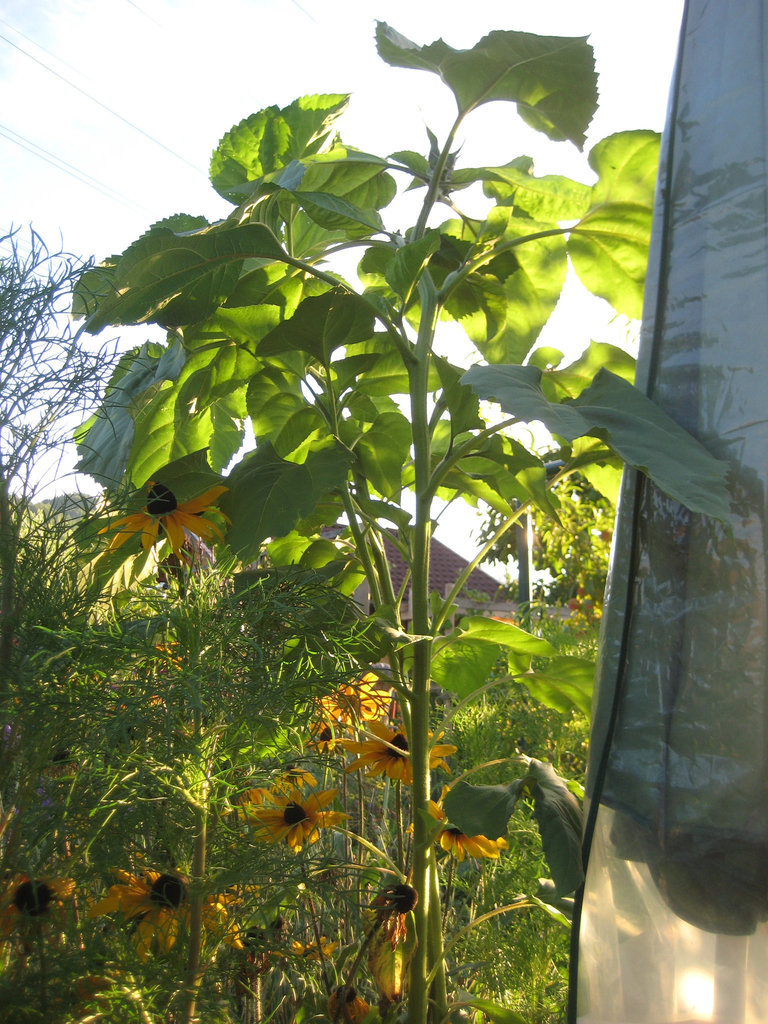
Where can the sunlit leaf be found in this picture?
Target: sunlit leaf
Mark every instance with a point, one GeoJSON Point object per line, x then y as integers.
{"type": "Point", "coordinates": [551, 78]}
{"type": "Point", "coordinates": [271, 138]}
{"type": "Point", "coordinates": [564, 683]}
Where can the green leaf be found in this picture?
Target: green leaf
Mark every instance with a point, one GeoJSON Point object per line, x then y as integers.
{"type": "Point", "coordinates": [609, 251]}
{"type": "Point", "coordinates": [268, 496]}
{"type": "Point", "coordinates": [609, 245]}
{"type": "Point", "coordinates": [335, 213]}
{"type": "Point", "coordinates": [174, 279]}
{"type": "Point", "coordinates": [464, 659]}
{"type": "Point", "coordinates": [104, 441]}
{"type": "Point", "coordinates": [549, 199]}
{"type": "Point", "coordinates": [626, 164]}
{"type": "Point", "coordinates": [551, 78]}
{"type": "Point", "coordinates": [495, 1013]}
{"type": "Point", "coordinates": [461, 668]}
{"type": "Point", "coordinates": [626, 420]}
{"type": "Point", "coordinates": [564, 683]}
{"type": "Point", "coordinates": [404, 270]}
{"type": "Point", "coordinates": [321, 324]}
{"type": "Point", "coordinates": [279, 412]}
{"type": "Point", "coordinates": [481, 810]}
{"type": "Point", "coordinates": [559, 817]}
{"type": "Point", "coordinates": [271, 138]}
{"type": "Point", "coordinates": [383, 450]}
{"type": "Point", "coordinates": [571, 380]}
{"type": "Point", "coordinates": [505, 303]}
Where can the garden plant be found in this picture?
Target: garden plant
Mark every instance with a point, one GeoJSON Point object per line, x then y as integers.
{"type": "Point", "coordinates": [258, 815]}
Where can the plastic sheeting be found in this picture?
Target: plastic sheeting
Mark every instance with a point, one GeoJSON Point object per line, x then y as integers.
{"type": "Point", "coordinates": [672, 925]}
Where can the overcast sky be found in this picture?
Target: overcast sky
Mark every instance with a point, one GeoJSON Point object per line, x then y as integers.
{"type": "Point", "coordinates": [110, 109]}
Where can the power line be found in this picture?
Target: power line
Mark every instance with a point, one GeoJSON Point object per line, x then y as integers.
{"type": "Point", "coordinates": [109, 110]}
{"type": "Point", "coordinates": [296, 4]}
{"type": "Point", "coordinates": [67, 168]}
{"type": "Point", "coordinates": [38, 45]}
{"type": "Point", "coordinates": [145, 13]}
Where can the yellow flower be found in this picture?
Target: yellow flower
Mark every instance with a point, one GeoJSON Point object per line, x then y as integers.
{"type": "Point", "coordinates": [455, 842]}
{"type": "Point", "coordinates": [28, 902]}
{"type": "Point", "coordinates": [295, 818]}
{"type": "Point", "coordinates": [362, 700]}
{"type": "Point", "coordinates": [346, 1006]}
{"type": "Point", "coordinates": [157, 902]}
{"type": "Point", "coordinates": [312, 952]}
{"type": "Point", "coordinates": [162, 511]}
{"type": "Point", "coordinates": [388, 754]}
{"type": "Point", "coordinates": [294, 777]}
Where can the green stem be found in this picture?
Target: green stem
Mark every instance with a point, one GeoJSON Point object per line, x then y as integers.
{"type": "Point", "coordinates": [399, 815]}
{"type": "Point", "coordinates": [426, 952]}
{"type": "Point", "coordinates": [457, 276]}
{"type": "Point", "coordinates": [435, 181]}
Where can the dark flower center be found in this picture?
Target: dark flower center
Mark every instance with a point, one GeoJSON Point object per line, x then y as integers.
{"type": "Point", "coordinates": [400, 742]}
{"type": "Point", "coordinates": [326, 735]}
{"type": "Point", "coordinates": [454, 832]}
{"type": "Point", "coordinates": [294, 813]}
{"type": "Point", "coordinates": [401, 898]}
{"type": "Point", "coordinates": [32, 898]}
{"type": "Point", "coordinates": [161, 500]}
{"type": "Point", "coordinates": [168, 891]}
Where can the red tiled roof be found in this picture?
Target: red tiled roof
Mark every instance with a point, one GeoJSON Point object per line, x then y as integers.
{"type": "Point", "coordinates": [444, 568]}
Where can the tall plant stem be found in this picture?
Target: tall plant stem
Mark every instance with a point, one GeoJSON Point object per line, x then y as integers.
{"type": "Point", "coordinates": [194, 971]}
{"type": "Point", "coordinates": [419, 742]}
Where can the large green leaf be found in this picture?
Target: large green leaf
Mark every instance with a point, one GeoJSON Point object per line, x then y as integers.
{"type": "Point", "coordinates": [383, 449]}
{"type": "Point", "coordinates": [481, 810]}
{"type": "Point", "coordinates": [279, 412]}
{"type": "Point", "coordinates": [548, 199]}
{"type": "Point", "coordinates": [564, 683]}
{"type": "Point", "coordinates": [551, 78]}
{"type": "Point", "coordinates": [495, 1013]}
{"type": "Point", "coordinates": [462, 668]}
{"type": "Point", "coordinates": [268, 496]}
{"type": "Point", "coordinates": [609, 245]}
{"type": "Point", "coordinates": [203, 408]}
{"type": "Point", "coordinates": [174, 279]}
{"type": "Point", "coordinates": [505, 303]}
{"type": "Point", "coordinates": [405, 269]}
{"type": "Point", "coordinates": [463, 659]}
{"type": "Point", "coordinates": [559, 817]}
{"type": "Point", "coordinates": [321, 324]}
{"type": "Point", "coordinates": [271, 138]}
{"type": "Point", "coordinates": [626, 164]}
{"type": "Point", "coordinates": [104, 441]}
{"type": "Point", "coordinates": [626, 420]}
{"type": "Point", "coordinates": [609, 251]}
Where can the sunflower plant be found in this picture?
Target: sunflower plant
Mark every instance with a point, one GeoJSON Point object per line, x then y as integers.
{"type": "Point", "coordinates": [353, 399]}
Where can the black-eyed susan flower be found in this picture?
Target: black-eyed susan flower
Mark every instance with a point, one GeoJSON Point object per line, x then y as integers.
{"type": "Point", "coordinates": [27, 903]}
{"type": "Point", "coordinates": [361, 700]}
{"type": "Point", "coordinates": [388, 753]}
{"type": "Point", "coordinates": [163, 512]}
{"type": "Point", "coordinates": [312, 951]}
{"type": "Point", "coordinates": [457, 843]}
{"type": "Point", "coordinates": [157, 902]}
{"type": "Point", "coordinates": [294, 777]}
{"type": "Point", "coordinates": [294, 818]}
{"type": "Point", "coordinates": [346, 1006]}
